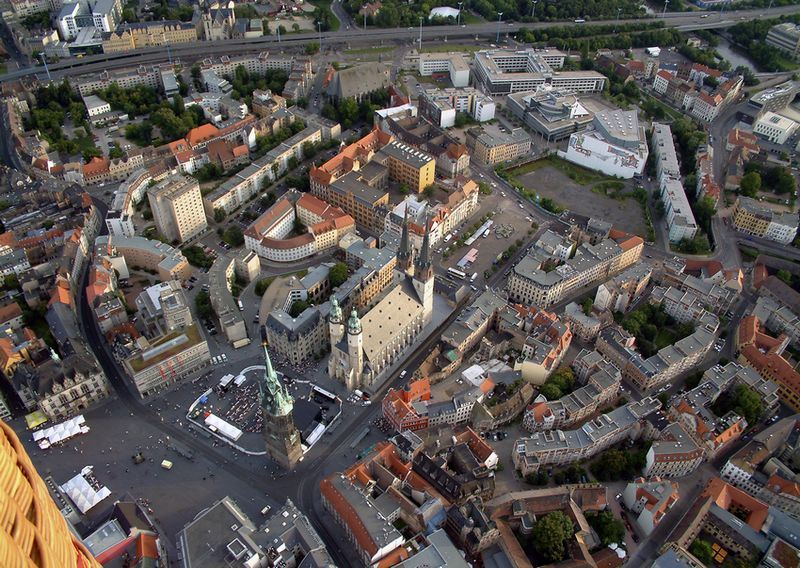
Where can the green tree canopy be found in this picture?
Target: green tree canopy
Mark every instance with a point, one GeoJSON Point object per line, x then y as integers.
{"type": "Point", "coordinates": [338, 274]}
{"type": "Point", "coordinates": [608, 528]}
{"type": "Point", "coordinates": [750, 184]}
{"type": "Point", "coordinates": [550, 534]}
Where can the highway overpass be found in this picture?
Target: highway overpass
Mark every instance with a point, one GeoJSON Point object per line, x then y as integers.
{"type": "Point", "coordinates": [684, 21]}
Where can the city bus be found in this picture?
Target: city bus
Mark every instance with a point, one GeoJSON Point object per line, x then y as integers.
{"type": "Point", "coordinates": [457, 273]}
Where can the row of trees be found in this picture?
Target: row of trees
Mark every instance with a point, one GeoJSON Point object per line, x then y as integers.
{"type": "Point", "coordinates": [173, 121]}
{"type": "Point", "coordinates": [777, 179]}
{"type": "Point", "coordinates": [394, 13]}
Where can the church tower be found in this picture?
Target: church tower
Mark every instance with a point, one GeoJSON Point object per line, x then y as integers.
{"type": "Point", "coordinates": [280, 434]}
{"type": "Point", "coordinates": [355, 351]}
{"type": "Point", "coordinates": [335, 321]}
{"type": "Point", "coordinates": [404, 252]}
{"type": "Point", "coordinates": [423, 279]}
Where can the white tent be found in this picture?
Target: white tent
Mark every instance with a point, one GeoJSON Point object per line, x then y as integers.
{"type": "Point", "coordinates": [60, 432]}
{"type": "Point", "coordinates": [225, 428]}
{"type": "Point", "coordinates": [84, 490]}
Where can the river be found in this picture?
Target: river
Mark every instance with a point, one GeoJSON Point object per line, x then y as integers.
{"type": "Point", "coordinates": [735, 56]}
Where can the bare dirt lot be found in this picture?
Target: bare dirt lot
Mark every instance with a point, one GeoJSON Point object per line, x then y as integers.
{"type": "Point", "coordinates": [624, 214]}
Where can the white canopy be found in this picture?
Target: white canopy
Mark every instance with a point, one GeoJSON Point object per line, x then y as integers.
{"type": "Point", "coordinates": [60, 432]}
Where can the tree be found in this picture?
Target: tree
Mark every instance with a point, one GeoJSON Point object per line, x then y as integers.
{"type": "Point", "coordinates": [312, 48]}
{"type": "Point", "coordinates": [298, 307]}
{"type": "Point", "coordinates": [429, 190]}
{"type": "Point", "coordinates": [608, 528]}
{"type": "Point", "coordinates": [404, 189]}
{"type": "Point", "coordinates": [549, 535]}
{"type": "Point", "coordinates": [11, 282]}
{"type": "Point", "coordinates": [461, 120]}
{"type": "Point", "coordinates": [611, 465]}
{"type": "Point", "coordinates": [750, 184]}
{"type": "Point", "coordinates": [219, 215]}
{"type": "Point", "coordinates": [785, 275]}
{"type": "Point", "coordinates": [747, 403]}
{"type": "Point", "coordinates": [587, 306]}
{"type": "Point", "coordinates": [701, 549]}
{"type": "Point", "coordinates": [550, 391]}
{"type": "Point", "coordinates": [233, 236]}
{"type": "Point", "coordinates": [338, 274]}
{"type": "Point", "coordinates": [202, 303]}
{"type": "Point", "coordinates": [563, 378]}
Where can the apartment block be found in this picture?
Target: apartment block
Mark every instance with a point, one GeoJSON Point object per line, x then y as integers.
{"type": "Point", "coordinates": [492, 146]}
{"type": "Point", "coordinates": [753, 218]}
{"type": "Point", "coordinates": [650, 501]}
{"type": "Point", "coordinates": [620, 348]}
{"type": "Point", "coordinates": [177, 207]}
{"type": "Point", "coordinates": [673, 454]}
{"type": "Point", "coordinates": [562, 447]}
{"type": "Point", "coordinates": [531, 284]}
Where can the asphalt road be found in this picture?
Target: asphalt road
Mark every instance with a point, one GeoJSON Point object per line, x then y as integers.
{"type": "Point", "coordinates": [96, 63]}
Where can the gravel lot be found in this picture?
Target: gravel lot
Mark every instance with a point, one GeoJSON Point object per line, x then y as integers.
{"type": "Point", "coordinates": [550, 182]}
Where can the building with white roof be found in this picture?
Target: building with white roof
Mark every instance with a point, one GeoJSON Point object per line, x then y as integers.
{"type": "Point", "coordinates": [615, 146]}
{"type": "Point", "coordinates": [451, 63]}
{"type": "Point", "coordinates": [505, 71]}
{"type": "Point", "coordinates": [774, 127]}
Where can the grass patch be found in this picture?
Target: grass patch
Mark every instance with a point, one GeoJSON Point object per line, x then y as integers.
{"type": "Point", "coordinates": [470, 18]}
{"type": "Point", "coordinates": [447, 47]}
{"type": "Point", "coordinates": [326, 7]}
{"type": "Point", "coordinates": [578, 174]}
{"type": "Point", "coordinates": [612, 189]}
{"type": "Point", "coordinates": [367, 50]}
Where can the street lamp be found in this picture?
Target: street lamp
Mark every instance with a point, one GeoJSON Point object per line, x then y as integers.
{"type": "Point", "coordinates": [319, 28]}
{"type": "Point", "coordinates": [533, 12]}
{"type": "Point", "coordinates": [617, 22]}
{"type": "Point", "coordinates": [664, 13]}
{"type": "Point", "coordinates": [458, 16]}
{"type": "Point", "coordinates": [499, 19]}
{"type": "Point", "coordinates": [420, 33]}
{"type": "Point", "coordinates": [278, 29]}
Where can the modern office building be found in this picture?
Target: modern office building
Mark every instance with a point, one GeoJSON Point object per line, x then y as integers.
{"type": "Point", "coordinates": [616, 145]}
{"type": "Point", "coordinates": [177, 207]}
{"type": "Point", "coordinates": [506, 71]}
{"type": "Point", "coordinates": [774, 127]}
{"type": "Point", "coordinates": [554, 113]}
{"type": "Point", "coordinates": [786, 37]}
{"type": "Point", "coordinates": [453, 64]}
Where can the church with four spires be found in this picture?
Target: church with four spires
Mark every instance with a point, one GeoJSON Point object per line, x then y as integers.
{"type": "Point", "coordinates": [363, 347]}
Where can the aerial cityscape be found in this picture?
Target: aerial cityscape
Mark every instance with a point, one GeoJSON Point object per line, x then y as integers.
{"type": "Point", "coordinates": [344, 283]}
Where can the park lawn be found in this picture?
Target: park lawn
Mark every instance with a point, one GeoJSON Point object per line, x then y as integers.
{"type": "Point", "coordinates": [368, 50]}
{"type": "Point", "coordinates": [447, 47]}
{"type": "Point", "coordinates": [470, 18]}
{"type": "Point", "coordinates": [664, 337]}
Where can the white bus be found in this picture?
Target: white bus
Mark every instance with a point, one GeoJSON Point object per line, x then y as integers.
{"type": "Point", "coordinates": [473, 277]}
{"type": "Point", "coordinates": [457, 273]}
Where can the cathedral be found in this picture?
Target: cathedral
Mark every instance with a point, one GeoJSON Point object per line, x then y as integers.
{"type": "Point", "coordinates": [280, 434]}
{"type": "Point", "coordinates": [362, 348]}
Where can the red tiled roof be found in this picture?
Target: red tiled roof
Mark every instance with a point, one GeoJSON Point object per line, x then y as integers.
{"type": "Point", "coordinates": [201, 134]}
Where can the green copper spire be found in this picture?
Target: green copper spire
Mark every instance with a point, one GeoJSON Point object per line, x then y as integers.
{"type": "Point", "coordinates": [354, 324]}
{"type": "Point", "coordinates": [275, 399]}
{"type": "Point", "coordinates": [336, 310]}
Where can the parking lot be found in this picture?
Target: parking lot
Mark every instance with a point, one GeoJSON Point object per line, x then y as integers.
{"type": "Point", "coordinates": [512, 220]}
